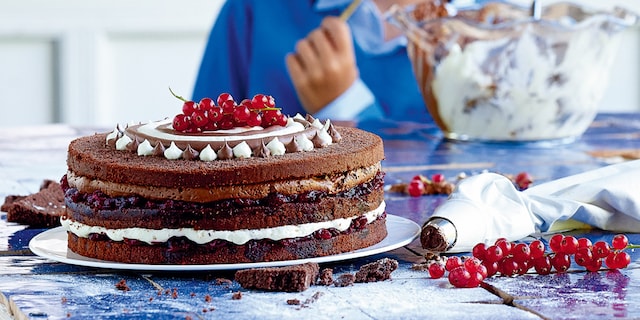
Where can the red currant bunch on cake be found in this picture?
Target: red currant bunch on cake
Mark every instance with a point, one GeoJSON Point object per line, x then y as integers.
{"type": "Point", "coordinates": [225, 113]}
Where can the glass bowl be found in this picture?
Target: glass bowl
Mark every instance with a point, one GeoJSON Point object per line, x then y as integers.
{"type": "Point", "coordinates": [494, 73]}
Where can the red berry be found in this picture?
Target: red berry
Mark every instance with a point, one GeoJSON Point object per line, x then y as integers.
{"type": "Point", "coordinates": [492, 268]}
{"type": "Point", "coordinates": [521, 252]}
{"type": "Point", "coordinates": [622, 259]}
{"type": "Point", "coordinates": [223, 97]}
{"type": "Point", "coordinates": [415, 188]}
{"type": "Point", "coordinates": [505, 245]}
{"type": "Point", "coordinates": [437, 178]}
{"type": "Point", "coordinates": [479, 251]}
{"type": "Point", "coordinates": [610, 261]}
{"type": "Point", "coordinates": [472, 264]}
{"type": "Point", "coordinates": [542, 265]}
{"type": "Point", "coordinates": [453, 262]}
{"type": "Point", "coordinates": [281, 120]}
{"type": "Point", "coordinates": [205, 104]}
{"type": "Point", "coordinates": [226, 123]}
{"type": "Point", "coordinates": [199, 119]}
{"type": "Point", "coordinates": [228, 107]}
{"type": "Point", "coordinates": [474, 280]}
{"type": "Point", "coordinates": [593, 265]}
{"type": "Point", "coordinates": [569, 244]}
{"type": "Point", "coordinates": [241, 113]}
{"type": "Point", "coordinates": [601, 249]}
{"type": "Point", "coordinates": [619, 242]}
{"type": "Point", "coordinates": [270, 117]}
{"type": "Point", "coordinates": [259, 101]}
{"type": "Point", "coordinates": [188, 107]}
{"type": "Point", "coordinates": [494, 254]}
{"type": "Point", "coordinates": [181, 122]}
{"type": "Point", "coordinates": [436, 270]}
{"type": "Point", "coordinates": [536, 248]}
{"type": "Point", "coordinates": [459, 277]}
{"type": "Point", "coordinates": [215, 114]}
{"type": "Point", "coordinates": [555, 243]}
{"type": "Point", "coordinates": [523, 180]}
{"type": "Point", "coordinates": [508, 266]}
{"type": "Point", "coordinates": [583, 256]}
{"type": "Point", "coordinates": [584, 243]}
{"type": "Point", "coordinates": [255, 119]}
{"type": "Point", "coordinates": [561, 262]}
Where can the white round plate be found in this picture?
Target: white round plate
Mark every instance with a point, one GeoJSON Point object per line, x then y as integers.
{"type": "Point", "coordinates": [52, 244]}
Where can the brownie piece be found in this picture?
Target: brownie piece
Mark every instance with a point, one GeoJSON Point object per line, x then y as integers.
{"type": "Point", "coordinates": [376, 271]}
{"type": "Point", "coordinates": [326, 277]}
{"type": "Point", "coordinates": [294, 278]}
{"type": "Point", "coordinates": [40, 210]}
{"type": "Point", "coordinates": [345, 280]}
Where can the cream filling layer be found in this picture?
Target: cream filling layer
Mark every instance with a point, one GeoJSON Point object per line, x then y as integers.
{"type": "Point", "coordinates": [238, 237]}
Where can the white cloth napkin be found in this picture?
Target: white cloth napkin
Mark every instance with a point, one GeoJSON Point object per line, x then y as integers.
{"type": "Point", "coordinates": [487, 206]}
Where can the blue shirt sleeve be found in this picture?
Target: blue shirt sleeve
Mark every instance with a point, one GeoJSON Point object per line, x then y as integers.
{"type": "Point", "coordinates": [357, 103]}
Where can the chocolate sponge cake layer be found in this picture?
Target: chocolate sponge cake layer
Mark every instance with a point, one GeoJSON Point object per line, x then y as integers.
{"type": "Point", "coordinates": [275, 210]}
{"type": "Point", "coordinates": [90, 157]}
{"type": "Point", "coordinates": [185, 252]}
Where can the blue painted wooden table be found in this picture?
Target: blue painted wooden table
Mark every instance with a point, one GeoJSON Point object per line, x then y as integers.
{"type": "Point", "coordinates": [38, 288]}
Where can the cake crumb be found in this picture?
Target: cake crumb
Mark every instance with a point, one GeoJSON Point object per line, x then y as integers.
{"type": "Point", "coordinates": [174, 293]}
{"type": "Point", "coordinates": [207, 298]}
{"type": "Point", "coordinates": [63, 300]}
{"type": "Point", "coordinates": [345, 280]}
{"type": "Point", "coordinates": [225, 281]}
{"type": "Point", "coordinates": [379, 270]}
{"type": "Point", "coordinates": [122, 285]}
{"type": "Point", "coordinates": [236, 295]}
{"type": "Point", "coordinates": [293, 302]}
{"type": "Point", "coordinates": [326, 277]}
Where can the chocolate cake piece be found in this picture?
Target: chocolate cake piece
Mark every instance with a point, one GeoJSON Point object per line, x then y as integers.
{"type": "Point", "coordinates": [326, 277]}
{"type": "Point", "coordinates": [376, 271]}
{"type": "Point", "coordinates": [40, 210]}
{"type": "Point", "coordinates": [294, 278]}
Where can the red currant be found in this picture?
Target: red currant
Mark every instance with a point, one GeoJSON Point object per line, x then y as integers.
{"type": "Point", "coordinates": [188, 107]}
{"type": "Point", "coordinates": [437, 178]}
{"type": "Point", "coordinates": [181, 122]}
{"type": "Point", "coordinates": [523, 180]}
{"type": "Point", "coordinates": [459, 277]}
{"type": "Point", "coordinates": [622, 259]}
{"type": "Point", "coordinates": [205, 104]}
{"type": "Point", "coordinates": [561, 262]}
{"type": "Point", "coordinates": [542, 265]}
{"type": "Point", "coordinates": [584, 243]}
{"type": "Point", "coordinates": [505, 245]}
{"type": "Point", "coordinates": [583, 256]}
{"type": "Point", "coordinates": [492, 268]}
{"type": "Point", "coordinates": [215, 114]}
{"type": "Point", "coordinates": [224, 97]}
{"type": "Point", "coordinates": [452, 263]}
{"type": "Point", "coordinates": [508, 266]}
{"type": "Point", "coordinates": [494, 254]}
{"type": "Point", "coordinates": [255, 119]}
{"type": "Point", "coordinates": [601, 249]}
{"type": "Point", "coordinates": [436, 270]}
{"type": "Point", "coordinates": [619, 242]}
{"type": "Point", "coordinates": [555, 243]}
{"type": "Point", "coordinates": [521, 252]}
{"type": "Point", "coordinates": [479, 251]}
{"type": "Point", "coordinates": [536, 248]}
{"type": "Point", "coordinates": [259, 101]}
{"type": "Point", "coordinates": [594, 265]}
{"type": "Point", "coordinates": [228, 107]}
{"type": "Point", "coordinates": [415, 188]}
{"type": "Point", "coordinates": [241, 113]}
{"type": "Point", "coordinates": [199, 119]}
{"type": "Point", "coordinates": [569, 245]}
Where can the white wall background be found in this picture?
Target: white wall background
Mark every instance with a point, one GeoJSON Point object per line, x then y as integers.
{"type": "Point", "coordinates": [102, 62]}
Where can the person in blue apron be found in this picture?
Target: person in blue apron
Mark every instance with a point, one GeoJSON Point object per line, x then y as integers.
{"type": "Point", "coordinates": [311, 61]}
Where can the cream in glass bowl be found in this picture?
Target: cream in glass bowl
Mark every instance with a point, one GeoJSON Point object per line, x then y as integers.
{"type": "Point", "coordinates": [495, 73]}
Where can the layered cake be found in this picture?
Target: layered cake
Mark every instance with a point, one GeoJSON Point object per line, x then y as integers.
{"type": "Point", "coordinates": [230, 189]}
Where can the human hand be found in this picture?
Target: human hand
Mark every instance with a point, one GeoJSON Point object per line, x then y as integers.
{"type": "Point", "coordinates": [323, 64]}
